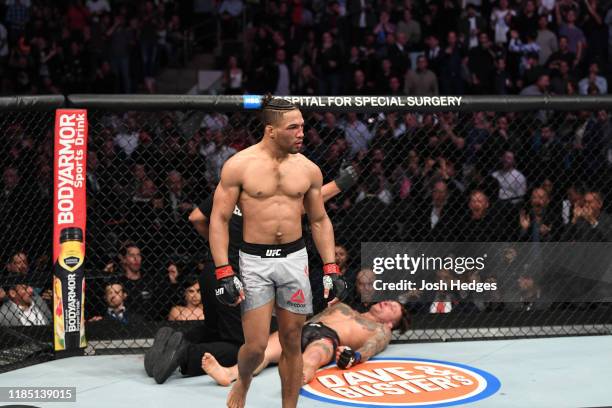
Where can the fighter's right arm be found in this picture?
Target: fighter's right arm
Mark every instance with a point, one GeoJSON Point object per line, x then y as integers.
{"type": "Point", "coordinates": [225, 199]}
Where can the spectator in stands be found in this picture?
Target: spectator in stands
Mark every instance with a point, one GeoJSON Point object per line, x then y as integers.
{"type": "Point", "coordinates": [574, 198]}
{"type": "Point", "coordinates": [357, 134]}
{"type": "Point", "coordinates": [230, 10]}
{"type": "Point", "coordinates": [330, 61]}
{"type": "Point", "coordinates": [307, 82]}
{"type": "Point", "coordinates": [178, 198]}
{"type": "Point", "coordinates": [384, 75]}
{"type": "Point", "coordinates": [192, 308]}
{"type": "Point", "coordinates": [531, 295]}
{"type": "Point", "coordinates": [377, 224]}
{"type": "Point", "coordinates": [593, 79]}
{"type": "Point", "coordinates": [527, 19]}
{"type": "Point", "coordinates": [589, 223]}
{"type": "Point", "coordinates": [216, 152]}
{"type": "Point", "coordinates": [546, 40]}
{"type": "Point", "coordinates": [451, 67]}
{"type": "Point", "coordinates": [116, 310]}
{"type": "Point", "coordinates": [576, 41]}
{"type": "Point", "coordinates": [24, 307]}
{"type": "Point", "coordinates": [512, 183]}
{"type": "Point", "coordinates": [18, 268]}
{"type": "Point", "coordinates": [562, 79]}
{"type": "Point", "coordinates": [329, 130]}
{"type": "Point", "coordinates": [342, 259]}
{"type": "Point", "coordinates": [477, 135]}
{"type": "Point", "coordinates": [128, 138]}
{"type": "Point", "coordinates": [421, 81]}
{"type": "Point", "coordinates": [233, 77]}
{"type": "Point", "coordinates": [481, 64]}
{"type": "Point", "coordinates": [315, 147]}
{"type": "Point", "coordinates": [433, 52]}
{"type": "Point", "coordinates": [500, 20]}
{"type": "Point", "coordinates": [359, 86]}
{"type": "Point", "coordinates": [471, 25]}
{"type": "Point", "coordinates": [410, 29]}
{"type": "Point", "coordinates": [501, 140]}
{"type": "Point", "coordinates": [141, 289]}
{"type": "Point", "coordinates": [547, 152]}
{"type": "Point", "coordinates": [480, 224]}
{"type": "Point", "coordinates": [283, 78]}
{"type": "Point", "coordinates": [433, 221]}
{"type": "Point", "coordinates": [364, 290]}
{"type": "Point", "coordinates": [540, 87]}
{"type": "Point", "coordinates": [121, 37]}
{"type": "Point", "coordinates": [538, 223]}
{"type": "Point", "coordinates": [564, 54]}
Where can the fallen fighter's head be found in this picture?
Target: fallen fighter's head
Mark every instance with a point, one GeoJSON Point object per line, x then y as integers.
{"type": "Point", "coordinates": [392, 313]}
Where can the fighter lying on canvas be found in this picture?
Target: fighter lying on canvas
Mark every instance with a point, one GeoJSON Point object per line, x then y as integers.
{"type": "Point", "coordinates": [338, 334]}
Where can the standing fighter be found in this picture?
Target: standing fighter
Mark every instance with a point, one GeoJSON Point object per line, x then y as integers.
{"type": "Point", "coordinates": [272, 183]}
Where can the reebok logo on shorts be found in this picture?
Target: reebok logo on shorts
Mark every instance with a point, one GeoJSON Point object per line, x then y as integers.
{"type": "Point", "coordinates": [298, 297]}
{"type": "Point", "coordinates": [273, 252]}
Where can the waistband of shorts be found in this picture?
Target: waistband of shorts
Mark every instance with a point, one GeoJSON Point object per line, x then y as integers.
{"type": "Point", "coordinates": [273, 250]}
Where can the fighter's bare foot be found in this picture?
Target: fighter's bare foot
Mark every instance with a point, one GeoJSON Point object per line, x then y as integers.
{"type": "Point", "coordinates": [222, 375]}
{"type": "Point", "coordinates": [309, 372]}
{"type": "Point", "coordinates": [237, 395]}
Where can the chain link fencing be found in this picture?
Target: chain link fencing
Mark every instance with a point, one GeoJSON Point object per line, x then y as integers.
{"type": "Point", "coordinates": [510, 176]}
{"type": "Point", "coordinates": [26, 165]}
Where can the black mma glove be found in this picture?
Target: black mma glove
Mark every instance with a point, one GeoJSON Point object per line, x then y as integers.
{"type": "Point", "coordinates": [347, 177]}
{"type": "Point", "coordinates": [334, 282]}
{"type": "Point", "coordinates": [348, 358]}
{"type": "Point", "coordinates": [229, 286]}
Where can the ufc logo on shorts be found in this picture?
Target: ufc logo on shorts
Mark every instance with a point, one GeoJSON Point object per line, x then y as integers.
{"type": "Point", "coordinates": [219, 291]}
{"type": "Point", "coordinates": [273, 252]}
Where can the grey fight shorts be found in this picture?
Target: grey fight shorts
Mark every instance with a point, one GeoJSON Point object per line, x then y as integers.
{"type": "Point", "coordinates": [276, 271]}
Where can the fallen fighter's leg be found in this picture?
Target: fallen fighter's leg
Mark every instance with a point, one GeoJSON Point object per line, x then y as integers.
{"type": "Point", "coordinates": [226, 375]}
{"type": "Point", "coordinates": [317, 354]}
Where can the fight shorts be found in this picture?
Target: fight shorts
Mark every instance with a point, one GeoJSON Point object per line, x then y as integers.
{"type": "Point", "coordinates": [280, 271]}
{"type": "Point", "coordinates": [314, 331]}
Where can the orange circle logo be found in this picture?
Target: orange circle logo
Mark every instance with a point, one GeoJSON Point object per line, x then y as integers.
{"type": "Point", "coordinates": [401, 382]}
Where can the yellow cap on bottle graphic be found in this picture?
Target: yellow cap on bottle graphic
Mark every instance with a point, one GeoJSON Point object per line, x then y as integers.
{"type": "Point", "coordinates": [71, 254]}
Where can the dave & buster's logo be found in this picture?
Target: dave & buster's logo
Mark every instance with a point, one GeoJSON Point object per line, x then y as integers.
{"type": "Point", "coordinates": [401, 382]}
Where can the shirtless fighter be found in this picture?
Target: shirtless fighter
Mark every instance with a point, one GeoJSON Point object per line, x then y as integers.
{"type": "Point", "coordinates": [339, 334]}
{"type": "Point", "coordinates": [272, 182]}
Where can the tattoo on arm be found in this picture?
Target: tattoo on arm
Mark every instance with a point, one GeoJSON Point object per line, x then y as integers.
{"type": "Point", "coordinates": [375, 344]}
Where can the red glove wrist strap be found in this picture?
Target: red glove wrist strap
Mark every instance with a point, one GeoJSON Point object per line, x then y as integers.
{"type": "Point", "coordinates": [224, 271]}
{"type": "Point", "coordinates": [331, 268]}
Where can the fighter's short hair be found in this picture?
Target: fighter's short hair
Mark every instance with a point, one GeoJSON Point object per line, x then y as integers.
{"type": "Point", "coordinates": [273, 109]}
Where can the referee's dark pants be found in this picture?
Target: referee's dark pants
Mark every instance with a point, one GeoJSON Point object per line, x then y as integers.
{"type": "Point", "coordinates": [221, 334]}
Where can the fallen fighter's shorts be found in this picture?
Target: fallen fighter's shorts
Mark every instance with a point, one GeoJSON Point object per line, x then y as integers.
{"type": "Point", "coordinates": [280, 271]}
{"type": "Point", "coordinates": [314, 331]}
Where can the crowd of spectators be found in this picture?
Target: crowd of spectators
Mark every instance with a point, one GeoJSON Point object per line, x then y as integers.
{"type": "Point", "coordinates": [414, 47]}
{"type": "Point", "coordinates": [99, 46]}
{"type": "Point", "coordinates": [462, 177]}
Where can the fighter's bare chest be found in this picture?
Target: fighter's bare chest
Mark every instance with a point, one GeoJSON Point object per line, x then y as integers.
{"type": "Point", "coordinates": [274, 180]}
